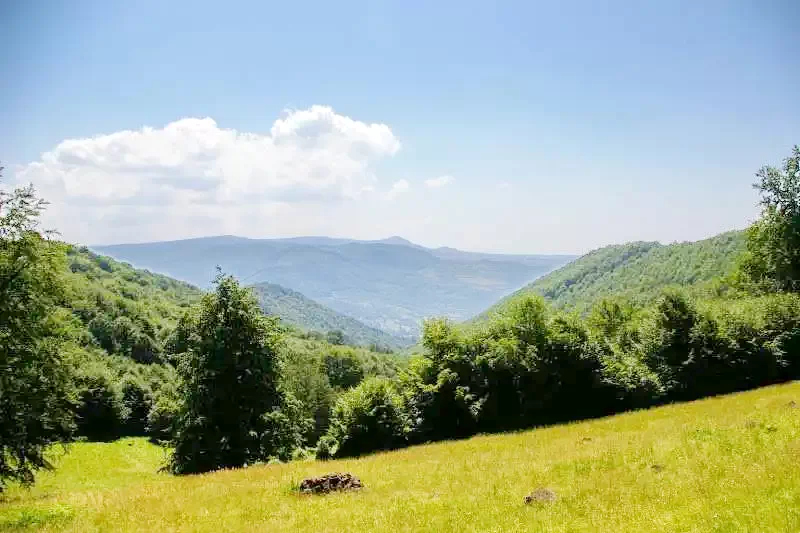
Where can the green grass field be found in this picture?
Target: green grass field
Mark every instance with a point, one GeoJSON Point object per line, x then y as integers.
{"type": "Point", "coordinates": [722, 464]}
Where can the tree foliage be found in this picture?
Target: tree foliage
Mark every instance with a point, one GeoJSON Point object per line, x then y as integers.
{"type": "Point", "coordinates": [35, 390]}
{"type": "Point", "coordinates": [366, 418]}
{"type": "Point", "coordinates": [533, 365]}
{"type": "Point", "coordinates": [316, 373]}
{"type": "Point", "coordinates": [229, 384]}
{"type": "Point", "coordinates": [773, 242]}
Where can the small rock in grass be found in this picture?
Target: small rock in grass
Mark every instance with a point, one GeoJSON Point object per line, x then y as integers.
{"type": "Point", "coordinates": [657, 468]}
{"type": "Point", "coordinates": [540, 495]}
{"type": "Point", "coordinates": [330, 483]}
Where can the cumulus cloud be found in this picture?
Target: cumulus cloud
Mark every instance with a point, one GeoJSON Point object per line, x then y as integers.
{"type": "Point", "coordinates": [194, 170]}
{"type": "Point", "coordinates": [441, 181]}
{"type": "Point", "coordinates": [398, 187]}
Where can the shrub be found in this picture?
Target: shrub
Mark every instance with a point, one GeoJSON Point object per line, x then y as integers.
{"type": "Point", "coordinates": [284, 429]}
{"type": "Point", "coordinates": [326, 447]}
{"type": "Point", "coordinates": [100, 411]}
{"type": "Point", "coordinates": [436, 388]}
{"type": "Point", "coordinates": [343, 368]}
{"type": "Point", "coordinates": [163, 415]}
{"type": "Point", "coordinates": [137, 399]}
{"type": "Point", "coordinates": [366, 418]}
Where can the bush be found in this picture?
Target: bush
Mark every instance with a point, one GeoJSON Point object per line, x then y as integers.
{"type": "Point", "coordinates": [137, 399]}
{"type": "Point", "coordinates": [524, 367]}
{"type": "Point", "coordinates": [437, 389]}
{"type": "Point", "coordinates": [367, 418]}
{"type": "Point", "coordinates": [163, 415]}
{"type": "Point", "coordinates": [303, 376]}
{"type": "Point", "coordinates": [284, 429]}
{"type": "Point", "coordinates": [326, 447]}
{"type": "Point", "coordinates": [721, 346]}
{"type": "Point", "coordinates": [100, 411]}
{"type": "Point", "coordinates": [335, 337]}
{"type": "Point", "coordinates": [343, 368]}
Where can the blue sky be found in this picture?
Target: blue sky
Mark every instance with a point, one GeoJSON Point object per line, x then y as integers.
{"type": "Point", "coordinates": [509, 126]}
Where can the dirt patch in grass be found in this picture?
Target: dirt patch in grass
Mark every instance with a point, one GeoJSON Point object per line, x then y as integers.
{"type": "Point", "coordinates": [541, 495]}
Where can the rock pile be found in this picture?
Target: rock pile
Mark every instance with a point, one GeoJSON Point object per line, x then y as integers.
{"type": "Point", "coordinates": [330, 483]}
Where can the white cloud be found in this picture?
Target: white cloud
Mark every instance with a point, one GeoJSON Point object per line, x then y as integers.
{"type": "Point", "coordinates": [441, 181]}
{"type": "Point", "coordinates": [398, 187]}
{"type": "Point", "coordinates": [194, 175]}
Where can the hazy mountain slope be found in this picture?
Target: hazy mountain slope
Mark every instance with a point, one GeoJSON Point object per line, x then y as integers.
{"type": "Point", "coordinates": [297, 310]}
{"type": "Point", "coordinates": [390, 285]}
{"type": "Point", "coordinates": [638, 270]}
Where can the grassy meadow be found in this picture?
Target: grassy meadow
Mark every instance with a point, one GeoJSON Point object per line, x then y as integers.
{"type": "Point", "coordinates": [721, 464]}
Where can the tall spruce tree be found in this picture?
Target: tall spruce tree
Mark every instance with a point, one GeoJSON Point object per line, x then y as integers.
{"type": "Point", "coordinates": [229, 384]}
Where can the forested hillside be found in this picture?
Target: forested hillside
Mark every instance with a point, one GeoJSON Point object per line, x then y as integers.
{"type": "Point", "coordinates": [636, 271]}
{"type": "Point", "coordinates": [297, 310]}
{"type": "Point", "coordinates": [118, 329]}
{"type": "Point", "coordinates": [124, 310]}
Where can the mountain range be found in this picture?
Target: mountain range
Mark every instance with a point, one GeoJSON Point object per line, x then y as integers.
{"type": "Point", "coordinates": [389, 284]}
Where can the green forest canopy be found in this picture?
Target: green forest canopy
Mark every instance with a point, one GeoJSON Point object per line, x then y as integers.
{"type": "Point", "coordinates": [637, 271]}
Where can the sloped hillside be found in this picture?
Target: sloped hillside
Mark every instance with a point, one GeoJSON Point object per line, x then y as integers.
{"type": "Point", "coordinates": [124, 310]}
{"type": "Point", "coordinates": [297, 310]}
{"type": "Point", "coordinates": [638, 271]}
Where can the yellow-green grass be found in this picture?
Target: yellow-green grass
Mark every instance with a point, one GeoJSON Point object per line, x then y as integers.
{"type": "Point", "coordinates": [722, 464]}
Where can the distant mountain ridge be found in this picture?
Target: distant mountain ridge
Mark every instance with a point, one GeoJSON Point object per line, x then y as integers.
{"type": "Point", "coordinates": [389, 284]}
{"type": "Point", "coordinates": [638, 271]}
{"type": "Point", "coordinates": [297, 310]}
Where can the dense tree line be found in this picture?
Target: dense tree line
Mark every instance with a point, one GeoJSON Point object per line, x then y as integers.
{"type": "Point", "coordinates": [532, 365]}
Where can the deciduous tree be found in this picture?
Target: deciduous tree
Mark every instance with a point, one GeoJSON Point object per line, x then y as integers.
{"type": "Point", "coordinates": [35, 401]}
